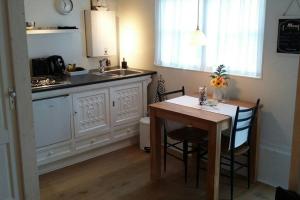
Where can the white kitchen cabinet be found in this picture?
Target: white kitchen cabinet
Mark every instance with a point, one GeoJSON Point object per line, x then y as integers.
{"type": "Point", "coordinates": [126, 103]}
{"type": "Point", "coordinates": [52, 120]}
{"type": "Point", "coordinates": [100, 118]}
{"type": "Point", "coordinates": [91, 112]}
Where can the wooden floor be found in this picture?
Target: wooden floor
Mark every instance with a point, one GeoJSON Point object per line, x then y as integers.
{"type": "Point", "coordinates": [124, 175]}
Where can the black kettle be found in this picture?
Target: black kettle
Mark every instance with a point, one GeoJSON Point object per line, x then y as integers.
{"type": "Point", "coordinates": [56, 65]}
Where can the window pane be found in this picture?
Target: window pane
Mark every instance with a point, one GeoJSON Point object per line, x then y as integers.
{"type": "Point", "coordinates": [234, 30]}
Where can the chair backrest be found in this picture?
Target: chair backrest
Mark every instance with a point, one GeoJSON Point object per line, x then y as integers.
{"type": "Point", "coordinates": [242, 126]}
{"type": "Point", "coordinates": [164, 96]}
{"type": "Point", "coordinates": [168, 125]}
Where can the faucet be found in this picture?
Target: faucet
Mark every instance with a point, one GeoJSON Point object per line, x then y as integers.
{"type": "Point", "coordinates": [104, 62]}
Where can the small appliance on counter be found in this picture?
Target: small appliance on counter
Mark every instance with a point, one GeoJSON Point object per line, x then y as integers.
{"type": "Point", "coordinates": [51, 66]}
{"type": "Point", "coordinates": [40, 67]}
{"type": "Point", "coordinates": [48, 72]}
{"type": "Point", "coordinates": [56, 65]}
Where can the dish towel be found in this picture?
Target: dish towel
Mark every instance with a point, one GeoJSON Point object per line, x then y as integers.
{"type": "Point", "coordinates": [160, 88]}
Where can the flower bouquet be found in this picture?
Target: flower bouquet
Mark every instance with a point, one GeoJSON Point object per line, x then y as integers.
{"type": "Point", "coordinates": [219, 81]}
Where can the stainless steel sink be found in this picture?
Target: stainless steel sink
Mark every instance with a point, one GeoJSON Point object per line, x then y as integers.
{"type": "Point", "coordinates": [123, 72]}
{"type": "Point", "coordinates": [96, 72]}
{"type": "Point", "coordinates": [116, 72]}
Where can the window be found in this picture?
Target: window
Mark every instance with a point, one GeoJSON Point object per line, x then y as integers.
{"type": "Point", "coordinates": [234, 31]}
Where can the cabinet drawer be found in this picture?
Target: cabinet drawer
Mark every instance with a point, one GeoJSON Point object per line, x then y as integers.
{"type": "Point", "coordinates": [124, 132]}
{"type": "Point", "coordinates": [50, 154]}
{"type": "Point", "coordinates": [90, 143]}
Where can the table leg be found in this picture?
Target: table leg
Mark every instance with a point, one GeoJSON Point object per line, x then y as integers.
{"type": "Point", "coordinates": [155, 142]}
{"type": "Point", "coordinates": [214, 150]}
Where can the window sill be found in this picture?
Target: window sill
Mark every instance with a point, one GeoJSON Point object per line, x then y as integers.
{"type": "Point", "coordinates": [209, 72]}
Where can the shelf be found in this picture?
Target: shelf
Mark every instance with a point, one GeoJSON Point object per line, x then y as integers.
{"type": "Point", "coordinates": [50, 31]}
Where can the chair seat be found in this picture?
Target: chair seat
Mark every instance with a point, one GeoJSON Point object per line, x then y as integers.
{"type": "Point", "coordinates": [225, 146]}
{"type": "Point", "coordinates": [189, 134]}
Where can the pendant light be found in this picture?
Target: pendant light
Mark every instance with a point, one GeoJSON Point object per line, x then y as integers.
{"type": "Point", "coordinates": [198, 37]}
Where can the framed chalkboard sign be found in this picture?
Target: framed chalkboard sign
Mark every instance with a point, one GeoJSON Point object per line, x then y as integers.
{"type": "Point", "coordinates": [288, 36]}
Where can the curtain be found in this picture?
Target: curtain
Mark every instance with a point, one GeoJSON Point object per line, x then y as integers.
{"type": "Point", "coordinates": [234, 31]}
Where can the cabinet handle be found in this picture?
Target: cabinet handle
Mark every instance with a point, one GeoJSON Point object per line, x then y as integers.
{"type": "Point", "coordinates": [113, 103]}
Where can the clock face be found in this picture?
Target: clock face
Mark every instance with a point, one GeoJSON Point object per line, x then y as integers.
{"type": "Point", "coordinates": [64, 6]}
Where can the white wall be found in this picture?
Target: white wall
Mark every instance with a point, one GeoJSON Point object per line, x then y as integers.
{"type": "Point", "coordinates": [136, 24]}
{"type": "Point", "coordinates": [276, 88]}
{"type": "Point", "coordinates": [71, 46]}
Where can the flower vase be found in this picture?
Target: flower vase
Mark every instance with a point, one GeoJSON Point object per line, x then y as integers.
{"type": "Point", "coordinates": [218, 94]}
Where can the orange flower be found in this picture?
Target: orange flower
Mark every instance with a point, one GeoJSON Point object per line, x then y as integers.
{"type": "Point", "coordinates": [218, 82]}
{"type": "Point", "coordinates": [213, 82]}
{"type": "Point", "coordinates": [224, 82]}
{"type": "Point", "coordinates": [219, 77]}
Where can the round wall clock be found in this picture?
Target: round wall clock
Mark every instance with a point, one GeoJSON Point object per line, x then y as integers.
{"type": "Point", "coordinates": [64, 7]}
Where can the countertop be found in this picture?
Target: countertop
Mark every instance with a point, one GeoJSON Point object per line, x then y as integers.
{"type": "Point", "coordinates": [88, 79]}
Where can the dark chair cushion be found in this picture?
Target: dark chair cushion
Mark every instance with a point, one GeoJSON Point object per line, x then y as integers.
{"type": "Point", "coordinates": [282, 194]}
{"type": "Point", "coordinates": [189, 134]}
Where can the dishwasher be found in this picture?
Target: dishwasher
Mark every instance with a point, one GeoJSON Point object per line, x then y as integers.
{"type": "Point", "coordinates": [52, 120]}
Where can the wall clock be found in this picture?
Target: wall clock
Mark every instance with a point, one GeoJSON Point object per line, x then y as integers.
{"type": "Point", "coordinates": [64, 7]}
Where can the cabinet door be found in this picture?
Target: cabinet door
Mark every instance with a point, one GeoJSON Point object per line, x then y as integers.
{"type": "Point", "coordinates": [126, 103]}
{"type": "Point", "coordinates": [91, 112]}
{"type": "Point", "coordinates": [52, 120]}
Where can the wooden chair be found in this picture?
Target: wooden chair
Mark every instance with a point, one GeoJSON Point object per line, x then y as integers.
{"type": "Point", "coordinates": [182, 136]}
{"type": "Point", "coordinates": [237, 142]}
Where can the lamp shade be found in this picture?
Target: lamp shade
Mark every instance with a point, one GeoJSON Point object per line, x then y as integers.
{"type": "Point", "coordinates": [198, 38]}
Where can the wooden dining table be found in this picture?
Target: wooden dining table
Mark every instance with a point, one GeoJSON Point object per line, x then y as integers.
{"type": "Point", "coordinates": [213, 123]}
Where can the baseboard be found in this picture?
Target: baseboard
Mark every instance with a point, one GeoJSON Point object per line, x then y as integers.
{"type": "Point", "coordinates": [274, 165]}
{"type": "Point", "coordinates": [87, 155]}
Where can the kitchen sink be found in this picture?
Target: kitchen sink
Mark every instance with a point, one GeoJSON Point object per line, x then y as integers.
{"type": "Point", "coordinates": [96, 72]}
{"type": "Point", "coordinates": [102, 74]}
{"type": "Point", "coordinates": [123, 72]}
{"type": "Point", "coordinates": [116, 72]}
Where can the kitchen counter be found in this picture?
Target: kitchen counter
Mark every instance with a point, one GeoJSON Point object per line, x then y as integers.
{"type": "Point", "coordinates": [89, 79]}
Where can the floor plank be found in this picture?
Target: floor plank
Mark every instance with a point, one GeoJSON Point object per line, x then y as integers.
{"type": "Point", "coordinates": [124, 174]}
